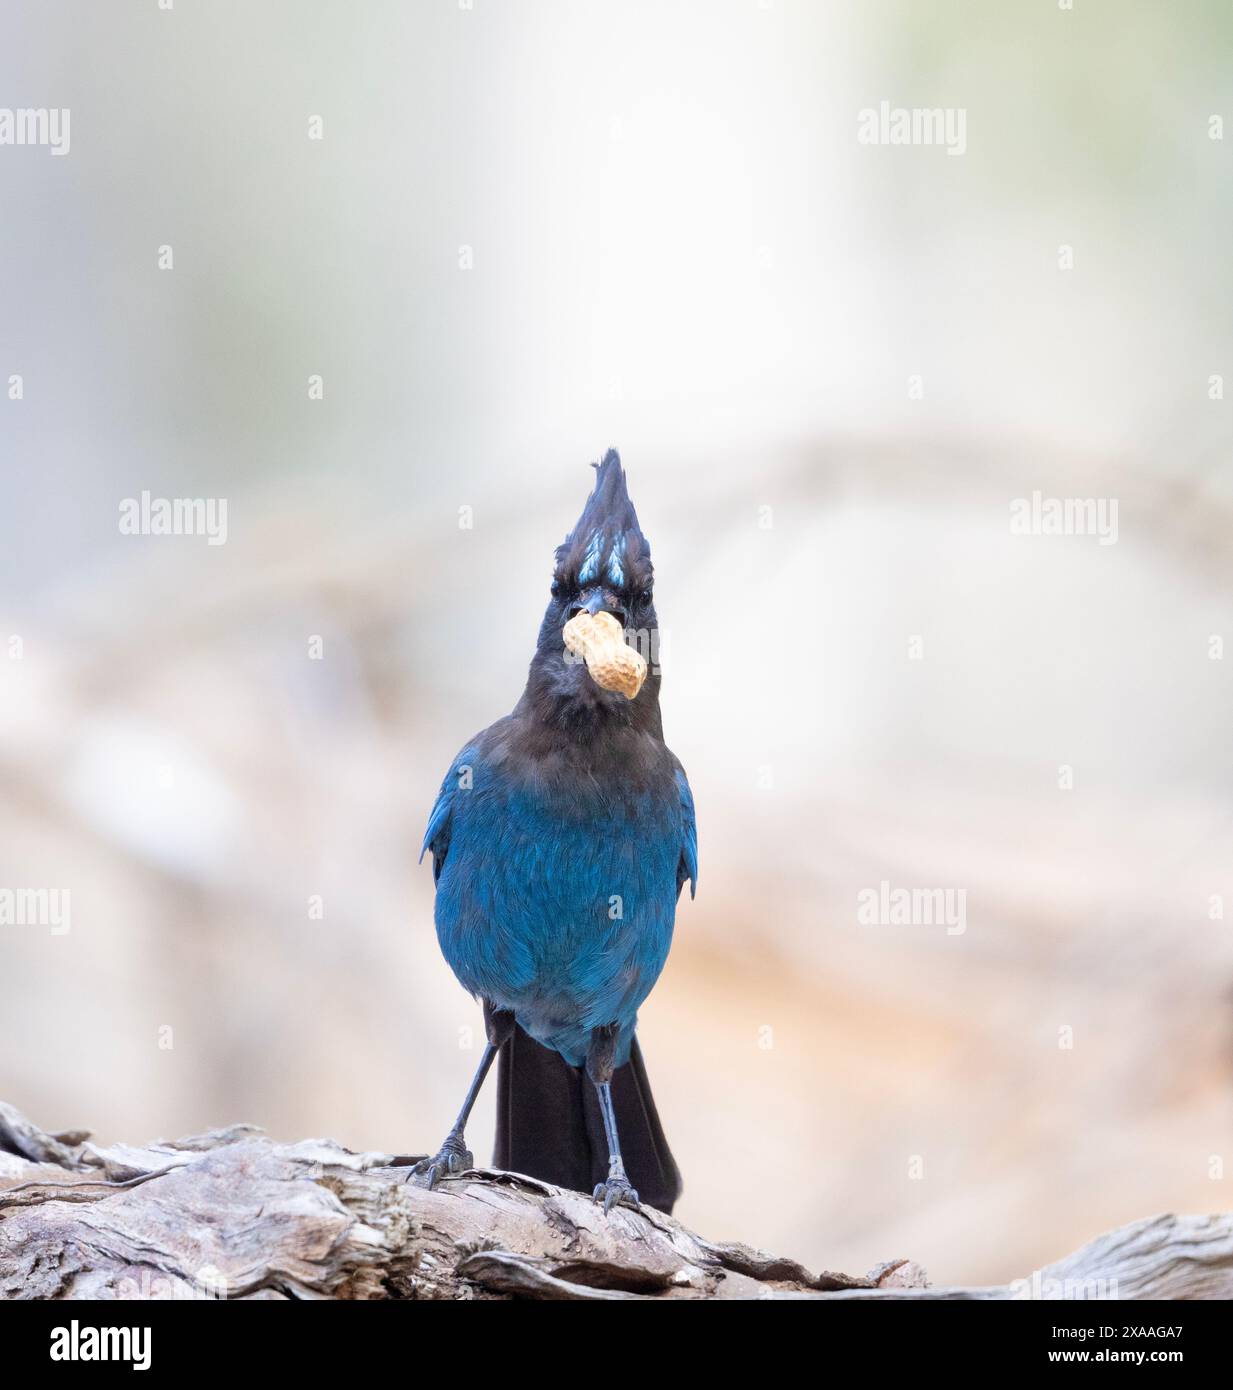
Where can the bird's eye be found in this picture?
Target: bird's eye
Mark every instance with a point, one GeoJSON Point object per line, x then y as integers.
{"type": "Point", "coordinates": [558, 588]}
{"type": "Point", "coordinates": [645, 597]}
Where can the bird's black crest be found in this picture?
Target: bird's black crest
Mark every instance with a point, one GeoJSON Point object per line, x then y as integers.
{"type": "Point", "coordinates": [606, 547]}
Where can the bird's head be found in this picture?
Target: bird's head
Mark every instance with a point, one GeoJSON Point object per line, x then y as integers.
{"type": "Point", "coordinates": [602, 566]}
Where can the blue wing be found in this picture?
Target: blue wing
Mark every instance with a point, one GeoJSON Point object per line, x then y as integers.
{"type": "Point", "coordinates": [688, 867]}
{"type": "Point", "coordinates": [437, 836]}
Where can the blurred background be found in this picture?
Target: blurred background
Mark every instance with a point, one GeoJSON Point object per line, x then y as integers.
{"type": "Point", "coordinates": [530, 230]}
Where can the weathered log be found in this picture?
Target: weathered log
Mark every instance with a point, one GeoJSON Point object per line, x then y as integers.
{"type": "Point", "coordinates": [232, 1214]}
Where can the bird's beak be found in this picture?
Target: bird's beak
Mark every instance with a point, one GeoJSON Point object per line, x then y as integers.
{"type": "Point", "coordinates": [594, 601]}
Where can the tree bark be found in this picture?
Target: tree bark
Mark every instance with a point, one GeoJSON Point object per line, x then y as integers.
{"type": "Point", "coordinates": [233, 1214]}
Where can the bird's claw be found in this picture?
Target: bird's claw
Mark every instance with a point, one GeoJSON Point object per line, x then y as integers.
{"type": "Point", "coordinates": [615, 1192]}
{"type": "Point", "coordinates": [452, 1158]}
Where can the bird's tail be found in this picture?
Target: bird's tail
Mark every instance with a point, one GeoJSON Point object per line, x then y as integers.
{"type": "Point", "coordinates": [549, 1125]}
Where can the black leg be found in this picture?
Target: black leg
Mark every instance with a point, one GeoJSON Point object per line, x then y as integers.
{"type": "Point", "coordinates": [599, 1068]}
{"type": "Point", "coordinates": [453, 1156]}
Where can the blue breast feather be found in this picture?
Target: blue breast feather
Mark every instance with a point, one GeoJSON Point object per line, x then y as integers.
{"type": "Point", "coordinates": [559, 906]}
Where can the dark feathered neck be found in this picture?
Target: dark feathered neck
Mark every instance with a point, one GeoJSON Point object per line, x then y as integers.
{"type": "Point", "coordinates": [573, 707]}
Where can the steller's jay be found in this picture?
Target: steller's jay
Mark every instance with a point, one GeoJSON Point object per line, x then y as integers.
{"type": "Point", "coordinates": [560, 841]}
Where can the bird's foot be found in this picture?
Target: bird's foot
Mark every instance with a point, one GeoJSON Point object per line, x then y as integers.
{"type": "Point", "coordinates": [452, 1157]}
{"type": "Point", "coordinates": [614, 1192]}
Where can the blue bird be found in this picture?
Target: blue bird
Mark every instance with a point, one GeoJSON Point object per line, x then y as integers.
{"type": "Point", "coordinates": [560, 842]}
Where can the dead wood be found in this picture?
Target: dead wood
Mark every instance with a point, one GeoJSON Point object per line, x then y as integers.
{"type": "Point", "coordinates": [233, 1214]}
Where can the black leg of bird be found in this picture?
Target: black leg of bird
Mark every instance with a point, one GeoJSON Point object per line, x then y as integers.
{"type": "Point", "coordinates": [453, 1156]}
{"type": "Point", "coordinates": [617, 1188]}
